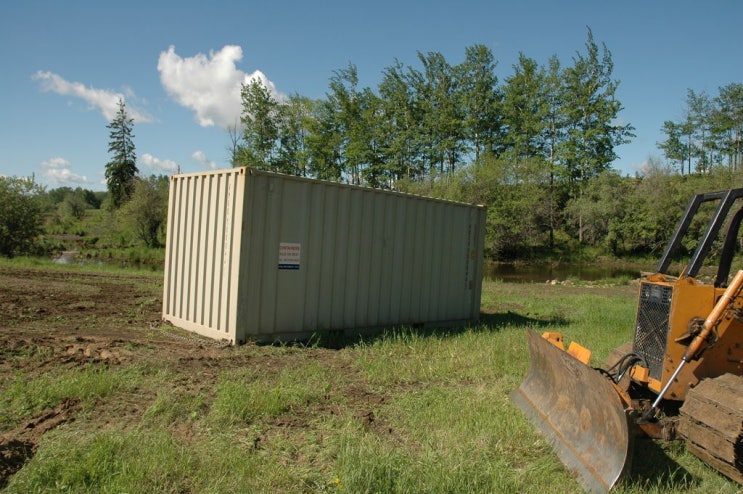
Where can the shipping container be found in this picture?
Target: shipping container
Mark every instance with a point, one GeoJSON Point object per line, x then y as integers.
{"type": "Point", "coordinates": [259, 256]}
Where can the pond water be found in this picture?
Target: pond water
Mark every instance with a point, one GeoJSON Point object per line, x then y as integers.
{"type": "Point", "coordinates": [541, 273]}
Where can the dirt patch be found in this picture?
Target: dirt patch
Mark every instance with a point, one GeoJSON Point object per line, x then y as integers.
{"type": "Point", "coordinates": [19, 445]}
{"type": "Point", "coordinates": [56, 321]}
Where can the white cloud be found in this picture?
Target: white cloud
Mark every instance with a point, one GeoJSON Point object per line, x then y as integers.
{"type": "Point", "coordinates": [201, 158]}
{"type": "Point", "coordinates": [57, 171]}
{"type": "Point", "coordinates": [169, 166]}
{"type": "Point", "coordinates": [209, 85]}
{"type": "Point", "coordinates": [101, 99]}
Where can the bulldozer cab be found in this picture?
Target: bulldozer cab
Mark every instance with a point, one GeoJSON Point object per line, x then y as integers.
{"type": "Point", "coordinates": [725, 201]}
{"type": "Point", "coordinates": [589, 419]}
{"type": "Point", "coordinates": [671, 309]}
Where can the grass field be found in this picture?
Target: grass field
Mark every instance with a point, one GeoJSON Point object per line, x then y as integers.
{"type": "Point", "coordinates": [99, 396]}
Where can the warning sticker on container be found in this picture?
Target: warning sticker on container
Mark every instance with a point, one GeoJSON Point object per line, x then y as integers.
{"type": "Point", "coordinates": [289, 254]}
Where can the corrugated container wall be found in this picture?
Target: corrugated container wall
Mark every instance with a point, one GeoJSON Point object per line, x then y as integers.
{"type": "Point", "coordinates": [253, 255]}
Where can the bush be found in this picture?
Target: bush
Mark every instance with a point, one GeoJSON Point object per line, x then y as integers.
{"type": "Point", "coordinates": [20, 215]}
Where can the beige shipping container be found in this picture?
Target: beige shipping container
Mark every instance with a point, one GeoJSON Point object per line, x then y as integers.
{"type": "Point", "coordinates": [254, 255]}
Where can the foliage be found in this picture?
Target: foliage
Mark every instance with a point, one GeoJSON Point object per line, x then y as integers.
{"type": "Point", "coordinates": [428, 122]}
{"type": "Point", "coordinates": [260, 125]}
{"type": "Point", "coordinates": [20, 215]}
{"type": "Point", "coordinates": [146, 212]}
{"type": "Point", "coordinates": [122, 168]}
{"type": "Point", "coordinates": [92, 199]}
{"type": "Point", "coordinates": [601, 211]}
{"type": "Point", "coordinates": [535, 148]}
{"type": "Point", "coordinates": [710, 134]}
{"type": "Point", "coordinates": [590, 110]}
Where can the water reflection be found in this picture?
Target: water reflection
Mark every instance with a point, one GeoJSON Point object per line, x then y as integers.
{"type": "Point", "coordinates": [541, 273]}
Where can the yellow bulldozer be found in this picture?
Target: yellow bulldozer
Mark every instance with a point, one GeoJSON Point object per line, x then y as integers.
{"type": "Point", "coordinates": [681, 377]}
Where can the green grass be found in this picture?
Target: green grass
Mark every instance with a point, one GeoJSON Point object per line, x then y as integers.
{"type": "Point", "coordinates": [48, 264]}
{"type": "Point", "coordinates": [23, 396]}
{"type": "Point", "coordinates": [245, 397]}
{"type": "Point", "coordinates": [407, 411]}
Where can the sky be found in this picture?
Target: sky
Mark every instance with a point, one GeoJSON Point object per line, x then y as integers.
{"type": "Point", "coordinates": [179, 66]}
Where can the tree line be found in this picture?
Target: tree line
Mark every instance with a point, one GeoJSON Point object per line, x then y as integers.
{"type": "Point", "coordinates": [536, 148]}
{"type": "Point", "coordinates": [710, 132]}
{"type": "Point", "coordinates": [425, 123]}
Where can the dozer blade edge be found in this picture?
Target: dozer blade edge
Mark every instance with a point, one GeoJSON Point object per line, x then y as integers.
{"type": "Point", "coordinates": [580, 413]}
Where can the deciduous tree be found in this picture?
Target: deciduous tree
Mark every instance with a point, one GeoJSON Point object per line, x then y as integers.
{"type": "Point", "coordinates": [20, 215]}
{"type": "Point", "coordinates": [260, 121]}
{"type": "Point", "coordinates": [590, 111]}
{"type": "Point", "coordinates": [146, 212]}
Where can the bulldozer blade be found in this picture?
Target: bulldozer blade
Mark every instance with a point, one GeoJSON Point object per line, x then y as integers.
{"type": "Point", "coordinates": [580, 413]}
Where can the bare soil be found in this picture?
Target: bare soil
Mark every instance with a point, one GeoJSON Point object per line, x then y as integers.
{"type": "Point", "coordinates": [52, 320]}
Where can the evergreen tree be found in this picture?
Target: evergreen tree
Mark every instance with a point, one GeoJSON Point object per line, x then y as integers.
{"type": "Point", "coordinates": [122, 169]}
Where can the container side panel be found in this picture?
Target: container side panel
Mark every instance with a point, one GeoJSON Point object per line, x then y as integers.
{"type": "Point", "coordinates": [363, 273]}
{"type": "Point", "coordinates": [387, 305]}
{"type": "Point", "coordinates": [352, 240]}
{"type": "Point", "coordinates": [256, 253]}
{"type": "Point", "coordinates": [171, 234]}
{"type": "Point", "coordinates": [293, 249]}
{"type": "Point", "coordinates": [185, 245]}
{"type": "Point", "coordinates": [438, 294]}
{"type": "Point", "coordinates": [218, 239]}
{"type": "Point", "coordinates": [408, 295]}
{"type": "Point", "coordinates": [224, 289]}
{"type": "Point", "coordinates": [197, 255]}
{"type": "Point", "coordinates": [268, 245]}
{"type": "Point", "coordinates": [201, 252]}
{"type": "Point", "coordinates": [175, 247]}
{"type": "Point", "coordinates": [446, 233]}
{"type": "Point", "coordinates": [312, 258]}
{"type": "Point", "coordinates": [328, 263]}
{"type": "Point", "coordinates": [417, 276]}
{"type": "Point", "coordinates": [210, 253]}
{"type": "Point", "coordinates": [255, 203]}
{"type": "Point", "coordinates": [235, 254]}
{"type": "Point", "coordinates": [340, 261]}
{"type": "Point", "coordinates": [376, 255]}
{"type": "Point", "coordinates": [458, 301]}
{"type": "Point", "coordinates": [202, 306]}
{"type": "Point", "coordinates": [428, 304]}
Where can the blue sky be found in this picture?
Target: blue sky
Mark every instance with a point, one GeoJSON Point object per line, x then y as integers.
{"type": "Point", "coordinates": [179, 66]}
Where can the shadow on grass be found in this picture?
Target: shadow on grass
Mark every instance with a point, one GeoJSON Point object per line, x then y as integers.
{"type": "Point", "coordinates": [337, 339]}
{"type": "Point", "coordinates": [496, 322]}
{"type": "Point", "coordinates": [653, 467]}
